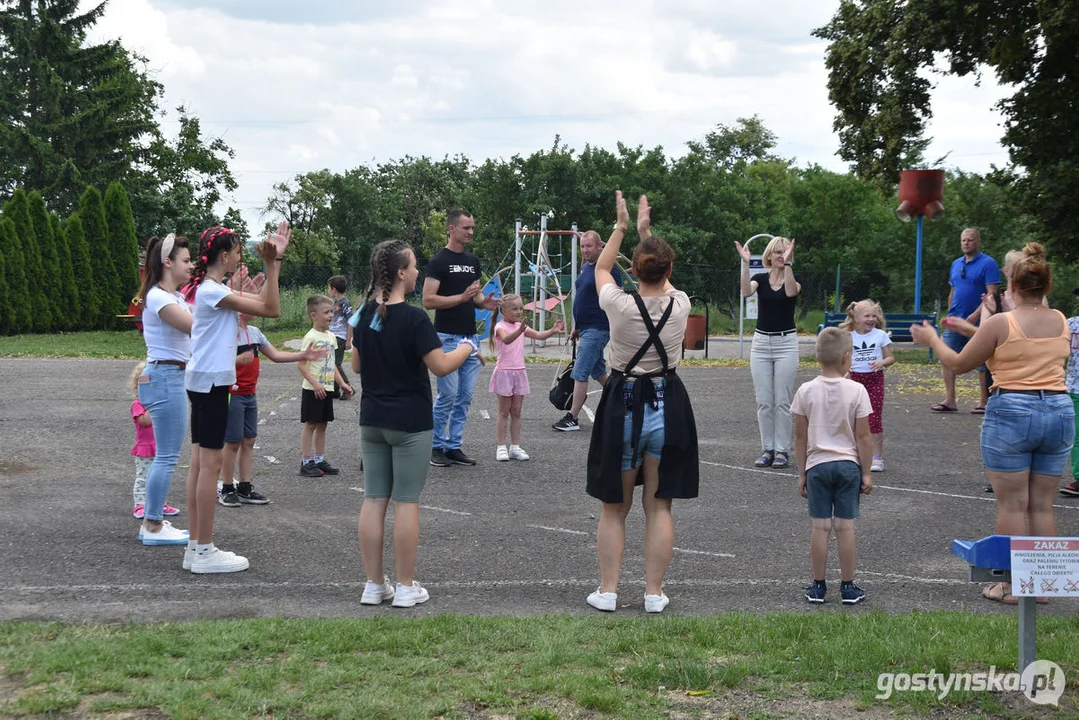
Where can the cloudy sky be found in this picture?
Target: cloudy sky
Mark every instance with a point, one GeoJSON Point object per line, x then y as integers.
{"type": "Point", "coordinates": [298, 86]}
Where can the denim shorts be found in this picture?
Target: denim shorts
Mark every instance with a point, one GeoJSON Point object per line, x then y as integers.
{"type": "Point", "coordinates": [957, 341]}
{"type": "Point", "coordinates": [834, 490]}
{"type": "Point", "coordinates": [652, 436]}
{"type": "Point", "coordinates": [1028, 432]}
{"type": "Point", "coordinates": [589, 362]}
{"type": "Point", "coordinates": [243, 418]}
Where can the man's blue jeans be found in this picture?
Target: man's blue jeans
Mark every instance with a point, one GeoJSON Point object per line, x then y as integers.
{"type": "Point", "coordinates": [454, 396]}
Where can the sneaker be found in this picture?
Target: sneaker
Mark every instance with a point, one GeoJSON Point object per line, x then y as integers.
{"type": "Point", "coordinates": [170, 511]}
{"type": "Point", "coordinates": [410, 595]}
{"type": "Point", "coordinates": [502, 454]}
{"type": "Point", "coordinates": [516, 453]}
{"type": "Point", "coordinates": [457, 457]}
{"type": "Point", "coordinates": [247, 495]}
{"type": "Point", "coordinates": [567, 424]}
{"type": "Point", "coordinates": [167, 535]}
{"type": "Point", "coordinates": [607, 602]}
{"type": "Point", "coordinates": [851, 593]}
{"type": "Point", "coordinates": [815, 592]}
{"type": "Point", "coordinates": [878, 465]}
{"type": "Point", "coordinates": [327, 468]}
{"type": "Point", "coordinates": [989, 488]}
{"type": "Point", "coordinates": [310, 469]}
{"type": "Point", "coordinates": [1071, 489]}
{"type": "Point", "coordinates": [438, 458]}
{"type": "Point", "coordinates": [189, 558]}
{"type": "Point", "coordinates": [374, 594]}
{"type": "Point", "coordinates": [228, 497]}
{"type": "Point", "coordinates": [139, 511]}
{"type": "Point", "coordinates": [218, 561]}
{"type": "Point", "coordinates": [655, 603]}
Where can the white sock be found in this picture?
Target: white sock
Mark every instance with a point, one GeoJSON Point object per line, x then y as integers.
{"type": "Point", "coordinates": [515, 447]}
{"type": "Point", "coordinates": [319, 458]}
{"type": "Point", "coordinates": [503, 447]}
{"type": "Point", "coordinates": [191, 545]}
{"type": "Point", "coordinates": [203, 549]}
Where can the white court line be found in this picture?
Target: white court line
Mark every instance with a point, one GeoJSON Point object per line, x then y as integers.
{"type": "Point", "coordinates": [588, 411]}
{"type": "Point", "coordinates": [882, 487]}
{"type": "Point", "coordinates": [446, 510]}
{"type": "Point", "coordinates": [359, 490]}
{"type": "Point", "coordinates": [578, 532]}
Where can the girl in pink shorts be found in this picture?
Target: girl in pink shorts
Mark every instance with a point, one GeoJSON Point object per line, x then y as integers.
{"type": "Point", "coordinates": [510, 380]}
{"type": "Point", "coordinates": [870, 355]}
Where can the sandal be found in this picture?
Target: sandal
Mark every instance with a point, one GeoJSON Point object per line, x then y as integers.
{"type": "Point", "coordinates": [941, 407]}
{"type": "Point", "coordinates": [781, 461]}
{"type": "Point", "coordinates": [765, 460]}
{"type": "Point", "coordinates": [978, 410]}
{"type": "Point", "coordinates": [997, 593]}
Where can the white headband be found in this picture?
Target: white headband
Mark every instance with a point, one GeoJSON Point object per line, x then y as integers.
{"type": "Point", "coordinates": [166, 247]}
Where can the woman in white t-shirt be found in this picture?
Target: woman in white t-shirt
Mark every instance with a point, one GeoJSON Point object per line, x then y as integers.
{"type": "Point", "coordinates": [211, 373]}
{"type": "Point", "coordinates": [644, 432]}
{"type": "Point", "coordinates": [166, 323]}
{"type": "Point", "coordinates": [869, 357]}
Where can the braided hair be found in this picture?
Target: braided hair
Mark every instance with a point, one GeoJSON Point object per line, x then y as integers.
{"type": "Point", "coordinates": [388, 257]}
{"type": "Point", "coordinates": [212, 243]}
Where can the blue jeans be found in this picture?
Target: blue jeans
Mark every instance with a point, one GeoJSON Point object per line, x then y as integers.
{"type": "Point", "coordinates": [165, 398]}
{"type": "Point", "coordinates": [454, 396]}
{"type": "Point", "coordinates": [589, 362]}
{"type": "Point", "coordinates": [957, 342]}
{"type": "Point", "coordinates": [1028, 432]}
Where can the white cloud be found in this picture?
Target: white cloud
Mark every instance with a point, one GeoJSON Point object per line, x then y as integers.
{"type": "Point", "coordinates": [294, 87]}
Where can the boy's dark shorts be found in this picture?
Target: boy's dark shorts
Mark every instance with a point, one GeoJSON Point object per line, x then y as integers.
{"type": "Point", "coordinates": [834, 490]}
{"type": "Point", "coordinates": [209, 417]}
{"type": "Point", "coordinates": [243, 418]}
{"type": "Point", "coordinates": [313, 410]}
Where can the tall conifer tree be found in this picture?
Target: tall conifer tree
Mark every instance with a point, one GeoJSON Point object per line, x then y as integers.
{"type": "Point", "coordinates": [89, 315]}
{"type": "Point", "coordinates": [124, 244]}
{"type": "Point", "coordinates": [96, 229]}
{"type": "Point", "coordinates": [70, 315]}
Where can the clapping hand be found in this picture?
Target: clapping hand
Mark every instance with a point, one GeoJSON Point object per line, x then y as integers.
{"type": "Point", "coordinates": [788, 254]}
{"type": "Point", "coordinates": [742, 251]}
{"type": "Point", "coordinates": [620, 210]}
{"type": "Point", "coordinates": [275, 244]}
{"type": "Point", "coordinates": [559, 326]}
{"type": "Point", "coordinates": [644, 218]}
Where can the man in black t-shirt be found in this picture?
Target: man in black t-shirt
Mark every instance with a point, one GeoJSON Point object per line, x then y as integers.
{"type": "Point", "coordinates": [453, 290]}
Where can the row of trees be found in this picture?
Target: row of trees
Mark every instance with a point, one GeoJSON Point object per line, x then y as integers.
{"type": "Point", "coordinates": [73, 274]}
{"type": "Point", "coordinates": [729, 186]}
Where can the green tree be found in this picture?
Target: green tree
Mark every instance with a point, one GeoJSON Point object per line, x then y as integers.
{"type": "Point", "coordinates": [50, 260]}
{"type": "Point", "coordinates": [877, 60]}
{"type": "Point", "coordinates": [18, 210]}
{"type": "Point", "coordinates": [19, 315]}
{"type": "Point", "coordinates": [88, 308]}
{"type": "Point", "coordinates": [5, 319]}
{"type": "Point", "coordinates": [124, 245]}
{"type": "Point", "coordinates": [69, 318]}
{"type": "Point", "coordinates": [96, 229]}
{"type": "Point", "coordinates": [304, 205]}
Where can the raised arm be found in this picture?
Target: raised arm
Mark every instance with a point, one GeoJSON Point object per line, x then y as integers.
{"type": "Point", "coordinates": [607, 258]}
{"type": "Point", "coordinates": [791, 287]}
{"type": "Point", "coordinates": [747, 286]}
{"type": "Point", "coordinates": [980, 348]}
{"type": "Point", "coordinates": [268, 302]}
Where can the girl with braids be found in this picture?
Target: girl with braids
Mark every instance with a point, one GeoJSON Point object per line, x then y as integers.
{"type": "Point", "coordinates": [212, 371]}
{"type": "Point", "coordinates": [393, 346]}
{"type": "Point", "coordinates": [509, 381]}
{"type": "Point", "coordinates": [166, 325]}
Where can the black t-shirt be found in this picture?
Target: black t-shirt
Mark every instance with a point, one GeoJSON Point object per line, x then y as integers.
{"type": "Point", "coordinates": [775, 311]}
{"type": "Point", "coordinates": [396, 389]}
{"type": "Point", "coordinates": [455, 272]}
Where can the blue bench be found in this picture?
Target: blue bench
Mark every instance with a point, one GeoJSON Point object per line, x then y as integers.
{"type": "Point", "coordinates": [897, 325]}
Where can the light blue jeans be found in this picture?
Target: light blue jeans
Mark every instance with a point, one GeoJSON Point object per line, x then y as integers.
{"type": "Point", "coordinates": [165, 398]}
{"type": "Point", "coordinates": [454, 396]}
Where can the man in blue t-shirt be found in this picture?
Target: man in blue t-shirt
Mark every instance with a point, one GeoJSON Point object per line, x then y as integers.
{"type": "Point", "coordinates": [972, 275]}
{"type": "Point", "coordinates": [590, 329]}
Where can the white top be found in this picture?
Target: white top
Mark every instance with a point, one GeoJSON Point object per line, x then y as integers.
{"type": "Point", "coordinates": [323, 369]}
{"type": "Point", "coordinates": [163, 341]}
{"type": "Point", "coordinates": [213, 339]}
{"type": "Point", "coordinates": [628, 332]}
{"type": "Point", "coordinates": [867, 348]}
{"type": "Point", "coordinates": [832, 406]}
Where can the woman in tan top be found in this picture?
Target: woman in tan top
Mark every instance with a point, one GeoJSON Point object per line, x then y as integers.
{"type": "Point", "coordinates": [1030, 420]}
{"type": "Point", "coordinates": [644, 432]}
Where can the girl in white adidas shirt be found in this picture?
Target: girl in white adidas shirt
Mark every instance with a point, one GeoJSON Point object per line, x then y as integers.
{"type": "Point", "coordinates": [870, 355]}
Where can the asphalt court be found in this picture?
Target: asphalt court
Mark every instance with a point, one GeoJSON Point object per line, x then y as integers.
{"type": "Point", "coordinates": [513, 538]}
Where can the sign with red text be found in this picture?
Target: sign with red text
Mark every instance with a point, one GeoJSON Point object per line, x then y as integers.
{"type": "Point", "coordinates": [1045, 566]}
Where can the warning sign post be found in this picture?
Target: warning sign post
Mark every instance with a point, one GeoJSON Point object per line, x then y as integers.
{"type": "Point", "coordinates": [1045, 566]}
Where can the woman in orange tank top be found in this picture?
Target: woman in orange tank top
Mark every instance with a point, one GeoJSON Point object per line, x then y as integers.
{"type": "Point", "coordinates": [1030, 419]}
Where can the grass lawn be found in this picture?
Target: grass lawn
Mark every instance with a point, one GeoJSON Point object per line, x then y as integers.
{"type": "Point", "coordinates": [733, 666]}
{"type": "Point", "coordinates": [123, 344]}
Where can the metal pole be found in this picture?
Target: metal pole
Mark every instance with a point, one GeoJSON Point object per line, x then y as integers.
{"type": "Point", "coordinates": [517, 259]}
{"type": "Point", "coordinates": [1028, 621]}
{"type": "Point", "coordinates": [573, 279]}
{"type": "Point", "coordinates": [918, 275]}
{"type": "Point", "coordinates": [541, 272]}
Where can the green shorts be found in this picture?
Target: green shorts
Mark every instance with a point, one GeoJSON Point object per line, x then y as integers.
{"type": "Point", "coordinates": [395, 463]}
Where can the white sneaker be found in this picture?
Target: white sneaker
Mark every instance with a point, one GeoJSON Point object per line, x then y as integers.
{"type": "Point", "coordinates": [410, 595]}
{"type": "Point", "coordinates": [189, 557]}
{"type": "Point", "coordinates": [517, 453]}
{"type": "Point", "coordinates": [501, 454]}
{"type": "Point", "coordinates": [607, 602]}
{"type": "Point", "coordinates": [218, 561]}
{"type": "Point", "coordinates": [374, 594]}
{"type": "Point", "coordinates": [877, 466]}
{"type": "Point", "coordinates": [167, 535]}
{"type": "Point", "coordinates": [656, 603]}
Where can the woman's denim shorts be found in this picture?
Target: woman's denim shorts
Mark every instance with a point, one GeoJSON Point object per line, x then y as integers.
{"type": "Point", "coordinates": [1028, 432]}
{"type": "Point", "coordinates": [652, 432]}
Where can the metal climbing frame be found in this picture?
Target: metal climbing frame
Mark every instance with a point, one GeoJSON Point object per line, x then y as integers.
{"type": "Point", "coordinates": [544, 275]}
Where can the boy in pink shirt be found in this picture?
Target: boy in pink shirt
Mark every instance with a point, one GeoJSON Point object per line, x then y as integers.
{"type": "Point", "coordinates": [833, 447]}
